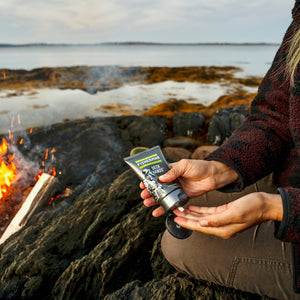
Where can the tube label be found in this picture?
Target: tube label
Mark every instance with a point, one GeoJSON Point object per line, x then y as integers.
{"type": "Point", "coordinates": [149, 165]}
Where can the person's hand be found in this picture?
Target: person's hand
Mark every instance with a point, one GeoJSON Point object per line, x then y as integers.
{"type": "Point", "coordinates": [230, 219]}
{"type": "Point", "coordinates": [195, 176]}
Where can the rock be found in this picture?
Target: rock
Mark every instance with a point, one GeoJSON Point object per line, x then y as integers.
{"type": "Point", "coordinates": [147, 131]}
{"type": "Point", "coordinates": [79, 146]}
{"type": "Point", "coordinates": [224, 122]}
{"type": "Point", "coordinates": [173, 154]}
{"type": "Point", "coordinates": [177, 286]}
{"type": "Point", "coordinates": [203, 151]}
{"type": "Point", "coordinates": [160, 266]}
{"type": "Point", "coordinates": [181, 142]}
{"type": "Point", "coordinates": [115, 260]}
{"type": "Point", "coordinates": [188, 124]}
{"type": "Point", "coordinates": [100, 242]}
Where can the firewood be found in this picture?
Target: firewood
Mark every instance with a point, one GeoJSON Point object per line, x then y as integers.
{"type": "Point", "coordinates": [40, 194]}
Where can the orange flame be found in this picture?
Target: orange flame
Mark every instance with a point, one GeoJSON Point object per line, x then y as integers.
{"type": "Point", "coordinates": [46, 155]}
{"type": "Point", "coordinates": [7, 168]}
{"type": "Point", "coordinates": [38, 176]}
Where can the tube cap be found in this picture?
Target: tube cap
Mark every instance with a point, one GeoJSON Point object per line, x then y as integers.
{"type": "Point", "coordinates": [174, 199]}
{"type": "Point", "coordinates": [176, 230]}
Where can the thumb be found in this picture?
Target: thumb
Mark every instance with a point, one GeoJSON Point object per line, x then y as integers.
{"type": "Point", "coordinates": [177, 169]}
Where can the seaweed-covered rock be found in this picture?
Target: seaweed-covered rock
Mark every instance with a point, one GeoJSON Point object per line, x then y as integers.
{"type": "Point", "coordinates": [177, 286]}
{"type": "Point", "coordinates": [115, 260]}
{"type": "Point", "coordinates": [101, 78]}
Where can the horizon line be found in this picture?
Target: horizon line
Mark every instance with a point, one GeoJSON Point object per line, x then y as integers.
{"type": "Point", "coordinates": [141, 43]}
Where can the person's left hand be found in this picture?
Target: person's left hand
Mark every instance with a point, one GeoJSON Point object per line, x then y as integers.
{"type": "Point", "coordinates": [230, 219]}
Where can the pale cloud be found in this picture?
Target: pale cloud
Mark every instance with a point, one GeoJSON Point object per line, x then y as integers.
{"type": "Point", "coordinates": [143, 20]}
{"type": "Point", "coordinates": [72, 14]}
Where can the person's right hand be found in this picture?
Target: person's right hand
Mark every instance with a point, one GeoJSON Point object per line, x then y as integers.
{"type": "Point", "coordinates": [195, 176]}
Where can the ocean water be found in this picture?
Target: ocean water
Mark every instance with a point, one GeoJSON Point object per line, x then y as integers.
{"type": "Point", "coordinates": [48, 106]}
{"type": "Point", "coordinates": [253, 59]}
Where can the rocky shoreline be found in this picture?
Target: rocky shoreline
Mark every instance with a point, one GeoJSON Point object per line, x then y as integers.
{"type": "Point", "coordinates": [102, 78]}
{"type": "Point", "coordinates": [99, 241]}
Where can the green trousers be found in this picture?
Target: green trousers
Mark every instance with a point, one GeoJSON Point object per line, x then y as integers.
{"type": "Point", "coordinates": [253, 261]}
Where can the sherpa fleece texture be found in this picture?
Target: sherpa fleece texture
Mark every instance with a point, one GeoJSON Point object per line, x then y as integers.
{"type": "Point", "coordinates": [269, 141]}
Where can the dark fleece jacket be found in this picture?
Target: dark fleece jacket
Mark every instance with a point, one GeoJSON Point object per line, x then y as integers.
{"type": "Point", "coordinates": [269, 141]}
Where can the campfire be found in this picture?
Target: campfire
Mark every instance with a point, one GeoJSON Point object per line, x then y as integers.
{"type": "Point", "coordinates": [7, 168]}
{"type": "Point", "coordinates": [20, 198]}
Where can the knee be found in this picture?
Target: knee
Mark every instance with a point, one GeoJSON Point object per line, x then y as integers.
{"type": "Point", "coordinates": [172, 250]}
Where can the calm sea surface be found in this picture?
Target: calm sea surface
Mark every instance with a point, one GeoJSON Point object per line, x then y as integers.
{"type": "Point", "coordinates": [253, 59]}
{"type": "Point", "coordinates": [48, 106]}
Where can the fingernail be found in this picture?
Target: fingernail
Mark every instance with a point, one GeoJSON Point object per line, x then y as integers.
{"type": "Point", "coordinates": [204, 223]}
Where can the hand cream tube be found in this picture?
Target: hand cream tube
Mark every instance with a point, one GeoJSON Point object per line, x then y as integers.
{"type": "Point", "coordinates": [149, 165]}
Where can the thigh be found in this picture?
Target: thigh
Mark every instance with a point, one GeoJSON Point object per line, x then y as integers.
{"type": "Point", "coordinates": [252, 261]}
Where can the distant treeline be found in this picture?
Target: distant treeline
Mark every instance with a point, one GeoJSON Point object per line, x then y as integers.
{"type": "Point", "coordinates": [135, 44]}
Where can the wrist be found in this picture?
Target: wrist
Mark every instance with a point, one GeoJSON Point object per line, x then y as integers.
{"type": "Point", "coordinates": [224, 174]}
{"type": "Point", "coordinates": [273, 208]}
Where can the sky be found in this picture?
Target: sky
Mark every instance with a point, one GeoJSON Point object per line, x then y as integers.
{"type": "Point", "coordinates": [163, 21]}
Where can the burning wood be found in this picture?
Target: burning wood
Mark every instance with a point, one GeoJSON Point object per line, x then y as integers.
{"type": "Point", "coordinates": [41, 193]}
{"type": "Point", "coordinates": [15, 181]}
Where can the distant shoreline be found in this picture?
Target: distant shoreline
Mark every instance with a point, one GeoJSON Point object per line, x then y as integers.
{"type": "Point", "coordinates": [3, 45]}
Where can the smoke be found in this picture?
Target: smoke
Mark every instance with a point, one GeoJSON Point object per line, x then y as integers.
{"type": "Point", "coordinates": [27, 170]}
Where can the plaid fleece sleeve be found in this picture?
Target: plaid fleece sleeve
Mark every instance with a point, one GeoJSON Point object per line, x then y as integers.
{"type": "Point", "coordinates": [263, 140]}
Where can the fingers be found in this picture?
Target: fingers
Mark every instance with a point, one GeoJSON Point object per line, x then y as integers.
{"type": "Point", "coordinates": [158, 212]}
{"type": "Point", "coordinates": [145, 194]}
{"type": "Point", "coordinates": [224, 232]}
{"type": "Point", "coordinates": [220, 221]}
{"type": "Point", "coordinates": [209, 210]}
{"type": "Point", "coordinates": [149, 202]}
{"type": "Point", "coordinates": [188, 214]}
{"type": "Point", "coordinates": [214, 216]}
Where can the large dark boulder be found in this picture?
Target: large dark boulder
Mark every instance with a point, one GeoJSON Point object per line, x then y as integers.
{"type": "Point", "coordinates": [224, 122]}
{"type": "Point", "coordinates": [188, 124]}
{"type": "Point", "coordinates": [147, 131]}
